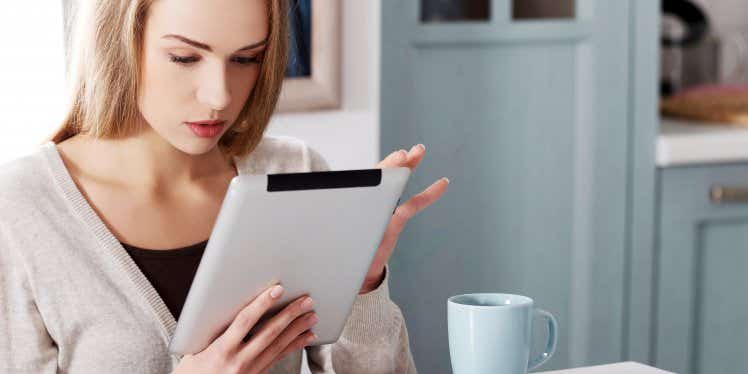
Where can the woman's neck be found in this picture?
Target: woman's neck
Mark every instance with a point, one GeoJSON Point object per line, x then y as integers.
{"type": "Point", "coordinates": [145, 161]}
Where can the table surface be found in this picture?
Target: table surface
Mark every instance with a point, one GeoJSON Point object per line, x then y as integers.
{"type": "Point", "coordinates": [628, 367]}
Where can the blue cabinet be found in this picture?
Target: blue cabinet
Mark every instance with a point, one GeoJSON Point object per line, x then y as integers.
{"type": "Point", "coordinates": [700, 311]}
{"type": "Point", "coordinates": [546, 130]}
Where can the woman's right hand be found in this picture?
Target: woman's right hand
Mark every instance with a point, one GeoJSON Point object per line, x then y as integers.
{"type": "Point", "coordinates": [280, 335]}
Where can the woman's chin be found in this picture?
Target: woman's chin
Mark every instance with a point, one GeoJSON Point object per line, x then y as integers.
{"type": "Point", "coordinates": [196, 146]}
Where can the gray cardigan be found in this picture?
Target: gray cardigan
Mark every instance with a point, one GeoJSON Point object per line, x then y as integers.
{"type": "Point", "coordinates": [72, 300]}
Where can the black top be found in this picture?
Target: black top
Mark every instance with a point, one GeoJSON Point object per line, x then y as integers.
{"type": "Point", "coordinates": [169, 271]}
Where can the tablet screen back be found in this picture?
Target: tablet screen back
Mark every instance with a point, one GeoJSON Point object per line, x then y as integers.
{"type": "Point", "coordinates": [314, 233]}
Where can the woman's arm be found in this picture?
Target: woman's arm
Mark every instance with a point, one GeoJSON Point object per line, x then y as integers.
{"type": "Point", "coordinates": [25, 345]}
{"type": "Point", "coordinates": [374, 340]}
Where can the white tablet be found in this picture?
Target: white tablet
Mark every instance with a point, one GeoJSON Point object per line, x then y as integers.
{"type": "Point", "coordinates": [315, 233]}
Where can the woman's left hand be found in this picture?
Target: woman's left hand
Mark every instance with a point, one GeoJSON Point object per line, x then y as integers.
{"type": "Point", "coordinates": [403, 213]}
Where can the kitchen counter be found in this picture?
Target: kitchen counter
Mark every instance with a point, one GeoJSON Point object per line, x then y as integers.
{"type": "Point", "coordinates": [681, 143]}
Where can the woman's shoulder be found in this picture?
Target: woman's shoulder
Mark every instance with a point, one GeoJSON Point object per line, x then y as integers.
{"type": "Point", "coordinates": [28, 193]}
{"type": "Point", "coordinates": [281, 154]}
{"type": "Point", "coordinates": [23, 174]}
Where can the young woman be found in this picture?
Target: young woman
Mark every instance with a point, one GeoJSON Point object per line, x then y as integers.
{"type": "Point", "coordinates": [102, 228]}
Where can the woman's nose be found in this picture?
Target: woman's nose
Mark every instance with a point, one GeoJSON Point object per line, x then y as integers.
{"type": "Point", "coordinates": [214, 89]}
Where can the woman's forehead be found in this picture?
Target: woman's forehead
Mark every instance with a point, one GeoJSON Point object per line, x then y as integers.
{"type": "Point", "coordinates": [225, 25]}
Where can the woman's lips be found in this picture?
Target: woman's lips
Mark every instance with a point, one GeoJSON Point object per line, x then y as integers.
{"type": "Point", "coordinates": [206, 129]}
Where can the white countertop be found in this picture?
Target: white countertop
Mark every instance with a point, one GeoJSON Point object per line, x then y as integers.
{"type": "Point", "coordinates": [682, 143]}
{"type": "Point", "coordinates": [629, 367]}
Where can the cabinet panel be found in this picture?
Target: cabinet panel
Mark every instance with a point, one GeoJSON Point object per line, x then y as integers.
{"type": "Point", "coordinates": [720, 311]}
{"type": "Point", "coordinates": [701, 272]}
{"type": "Point", "coordinates": [530, 121]}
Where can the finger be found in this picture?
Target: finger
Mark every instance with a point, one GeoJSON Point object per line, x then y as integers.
{"type": "Point", "coordinates": [247, 318]}
{"type": "Point", "coordinates": [415, 155]}
{"type": "Point", "coordinates": [273, 352]}
{"type": "Point", "coordinates": [422, 200]}
{"type": "Point", "coordinates": [275, 326]}
{"type": "Point", "coordinates": [394, 159]}
{"type": "Point", "coordinates": [299, 343]}
{"type": "Point", "coordinates": [407, 210]}
{"type": "Point", "coordinates": [403, 158]}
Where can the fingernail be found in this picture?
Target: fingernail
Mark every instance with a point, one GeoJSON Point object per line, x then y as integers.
{"type": "Point", "coordinates": [403, 153]}
{"type": "Point", "coordinates": [307, 304]}
{"type": "Point", "coordinates": [313, 319]}
{"type": "Point", "coordinates": [423, 147]}
{"type": "Point", "coordinates": [276, 291]}
{"type": "Point", "coordinates": [311, 338]}
{"type": "Point", "coordinates": [446, 179]}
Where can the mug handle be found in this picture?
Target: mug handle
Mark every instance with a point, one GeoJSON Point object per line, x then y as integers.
{"type": "Point", "coordinates": [550, 346]}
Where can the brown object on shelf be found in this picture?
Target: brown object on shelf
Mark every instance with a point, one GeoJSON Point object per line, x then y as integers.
{"type": "Point", "coordinates": [714, 104]}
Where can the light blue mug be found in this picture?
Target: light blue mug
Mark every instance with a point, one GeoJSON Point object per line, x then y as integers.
{"type": "Point", "coordinates": [492, 333]}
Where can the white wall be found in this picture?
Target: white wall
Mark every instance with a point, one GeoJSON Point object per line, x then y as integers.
{"type": "Point", "coordinates": [31, 74]}
{"type": "Point", "coordinates": [348, 138]}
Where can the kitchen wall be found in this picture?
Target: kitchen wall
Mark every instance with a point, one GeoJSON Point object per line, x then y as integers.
{"type": "Point", "coordinates": [349, 137]}
{"type": "Point", "coordinates": [728, 20]}
{"type": "Point", "coordinates": [728, 15]}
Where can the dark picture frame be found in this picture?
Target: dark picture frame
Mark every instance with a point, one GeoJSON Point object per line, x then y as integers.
{"type": "Point", "coordinates": [300, 39]}
{"type": "Point", "coordinates": [314, 67]}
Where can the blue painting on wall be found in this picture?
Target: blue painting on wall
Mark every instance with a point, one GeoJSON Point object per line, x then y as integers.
{"type": "Point", "coordinates": [300, 39]}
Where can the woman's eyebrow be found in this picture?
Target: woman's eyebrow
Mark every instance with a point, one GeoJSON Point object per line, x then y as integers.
{"type": "Point", "coordinates": [206, 47]}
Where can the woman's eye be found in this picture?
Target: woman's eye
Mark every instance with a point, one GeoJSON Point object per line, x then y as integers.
{"type": "Point", "coordinates": [192, 59]}
{"type": "Point", "coordinates": [183, 60]}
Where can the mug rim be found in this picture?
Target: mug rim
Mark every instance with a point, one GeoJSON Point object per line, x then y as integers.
{"type": "Point", "coordinates": [526, 301]}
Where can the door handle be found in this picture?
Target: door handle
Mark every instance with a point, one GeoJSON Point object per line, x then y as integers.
{"type": "Point", "coordinates": [724, 194]}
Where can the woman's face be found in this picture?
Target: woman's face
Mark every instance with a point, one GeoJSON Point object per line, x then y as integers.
{"type": "Point", "coordinates": [200, 62]}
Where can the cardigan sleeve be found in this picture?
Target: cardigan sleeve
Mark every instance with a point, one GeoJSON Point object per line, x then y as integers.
{"type": "Point", "coordinates": [25, 345]}
{"type": "Point", "coordinates": [315, 160]}
{"type": "Point", "coordinates": [374, 339]}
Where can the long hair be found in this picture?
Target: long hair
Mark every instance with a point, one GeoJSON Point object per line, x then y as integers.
{"type": "Point", "coordinates": [104, 74]}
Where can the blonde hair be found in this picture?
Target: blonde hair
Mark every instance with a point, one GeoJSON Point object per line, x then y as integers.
{"type": "Point", "coordinates": [105, 60]}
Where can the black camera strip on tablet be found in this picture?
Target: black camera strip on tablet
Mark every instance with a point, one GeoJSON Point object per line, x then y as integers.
{"type": "Point", "coordinates": [324, 179]}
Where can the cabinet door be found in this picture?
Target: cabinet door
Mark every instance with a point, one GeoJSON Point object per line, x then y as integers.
{"type": "Point", "coordinates": [701, 289]}
{"type": "Point", "coordinates": [531, 121]}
